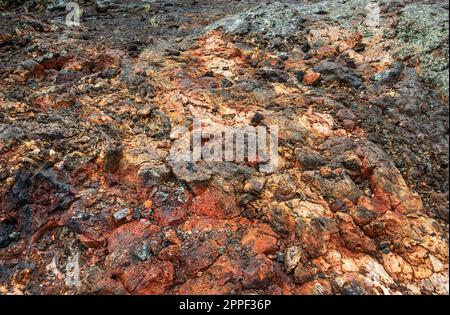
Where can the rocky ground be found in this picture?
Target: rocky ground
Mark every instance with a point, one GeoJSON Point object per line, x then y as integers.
{"type": "Point", "coordinates": [91, 202]}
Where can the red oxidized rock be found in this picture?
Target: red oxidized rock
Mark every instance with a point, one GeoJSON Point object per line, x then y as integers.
{"type": "Point", "coordinates": [215, 203]}
{"type": "Point", "coordinates": [150, 277]}
{"type": "Point", "coordinates": [262, 240]}
{"type": "Point", "coordinates": [200, 257]}
{"type": "Point", "coordinates": [259, 273]}
{"type": "Point", "coordinates": [171, 253]}
{"type": "Point", "coordinates": [93, 131]}
{"type": "Point", "coordinates": [352, 237]}
{"type": "Point", "coordinates": [126, 234]}
{"type": "Point", "coordinates": [311, 78]}
{"type": "Point", "coordinates": [223, 277]}
{"type": "Point", "coordinates": [171, 206]}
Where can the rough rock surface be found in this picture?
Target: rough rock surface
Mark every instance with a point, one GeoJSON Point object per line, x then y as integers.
{"type": "Point", "coordinates": [93, 202]}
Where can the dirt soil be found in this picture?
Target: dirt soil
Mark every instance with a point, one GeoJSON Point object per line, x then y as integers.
{"type": "Point", "coordinates": [93, 202]}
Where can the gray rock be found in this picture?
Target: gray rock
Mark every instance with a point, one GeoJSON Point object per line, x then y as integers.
{"type": "Point", "coordinates": [340, 187]}
{"type": "Point", "coordinates": [334, 71]}
{"type": "Point", "coordinates": [309, 159]}
{"type": "Point", "coordinates": [444, 213]}
{"type": "Point", "coordinates": [142, 252]}
{"type": "Point", "coordinates": [190, 172]}
{"type": "Point", "coordinates": [352, 288]}
{"type": "Point", "coordinates": [113, 154]}
{"type": "Point", "coordinates": [57, 4]}
{"type": "Point", "coordinates": [389, 75]}
{"type": "Point", "coordinates": [6, 229]}
{"type": "Point", "coordinates": [273, 20]}
{"type": "Point", "coordinates": [254, 186]}
{"type": "Point", "coordinates": [423, 30]}
{"type": "Point", "coordinates": [30, 64]}
{"type": "Point", "coordinates": [341, 12]}
{"type": "Point", "coordinates": [104, 5]}
{"type": "Point", "coordinates": [273, 75]}
{"type": "Point", "coordinates": [120, 216]}
{"type": "Point", "coordinates": [151, 175]}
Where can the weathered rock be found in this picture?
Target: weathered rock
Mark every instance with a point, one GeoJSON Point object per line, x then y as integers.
{"type": "Point", "coordinates": [273, 20]}
{"type": "Point", "coordinates": [254, 186]}
{"type": "Point", "coordinates": [389, 75]}
{"type": "Point", "coordinates": [352, 288]}
{"type": "Point", "coordinates": [151, 175]}
{"type": "Point", "coordinates": [259, 273]}
{"type": "Point", "coordinates": [113, 154]}
{"type": "Point", "coordinates": [121, 216]}
{"type": "Point", "coordinates": [93, 127]}
{"type": "Point", "coordinates": [273, 75]}
{"type": "Point", "coordinates": [309, 160]}
{"type": "Point", "coordinates": [57, 4]}
{"type": "Point", "coordinates": [304, 274]}
{"type": "Point", "coordinates": [215, 203]}
{"type": "Point", "coordinates": [104, 5]}
{"type": "Point", "coordinates": [333, 71]}
{"type": "Point", "coordinates": [311, 78]}
{"type": "Point", "coordinates": [261, 240]}
{"type": "Point", "coordinates": [423, 30]}
{"type": "Point", "coordinates": [5, 233]}
{"type": "Point", "coordinates": [340, 187]}
{"type": "Point", "coordinates": [200, 257]}
{"type": "Point", "coordinates": [146, 278]}
{"type": "Point", "coordinates": [190, 172]}
{"type": "Point", "coordinates": [292, 257]}
{"type": "Point", "coordinates": [352, 236]}
{"type": "Point", "coordinates": [362, 216]}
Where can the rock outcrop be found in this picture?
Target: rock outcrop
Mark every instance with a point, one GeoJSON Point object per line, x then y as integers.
{"type": "Point", "coordinates": [96, 199]}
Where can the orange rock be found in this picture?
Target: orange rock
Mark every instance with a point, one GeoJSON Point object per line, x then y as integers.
{"type": "Point", "coordinates": [259, 242]}
{"type": "Point", "coordinates": [226, 269]}
{"type": "Point", "coordinates": [172, 237]}
{"type": "Point", "coordinates": [127, 233]}
{"type": "Point", "coordinates": [377, 205]}
{"type": "Point", "coordinates": [150, 277]}
{"type": "Point", "coordinates": [77, 64]}
{"type": "Point", "coordinates": [354, 40]}
{"type": "Point", "coordinates": [311, 78]}
{"type": "Point", "coordinates": [259, 273]}
{"type": "Point", "coordinates": [205, 285]}
{"type": "Point", "coordinates": [326, 52]}
{"type": "Point", "coordinates": [215, 203]}
{"type": "Point", "coordinates": [352, 236]}
{"type": "Point", "coordinates": [170, 217]}
{"type": "Point", "coordinates": [170, 253]}
{"type": "Point", "coordinates": [90, 243]}
{"type": "Point", "coordinates": [148, 204]}
{"type": "Point", "coordinates": [303, 274]}
{"type": "Point", "coordinates": [200, 257]}
{"type": "Point", "coordinates": [223, 277]}
{"type": "Point", "coordinates": [389, 186]}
